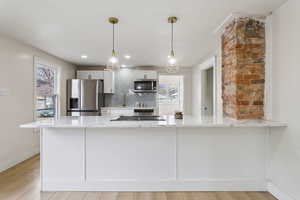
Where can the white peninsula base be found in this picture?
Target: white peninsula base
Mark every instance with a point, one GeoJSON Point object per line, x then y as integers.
{"type": "Point", "coordinates": [154, 159]}
{"type": "Point", "coordinates": [97, 154]}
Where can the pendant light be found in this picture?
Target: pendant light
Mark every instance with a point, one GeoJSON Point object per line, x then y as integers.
{"type": "Point", "coordinates": [172, 65]}
{"type": "Point", "coordinates": [113, 61]}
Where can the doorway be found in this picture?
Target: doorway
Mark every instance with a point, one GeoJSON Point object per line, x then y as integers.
{"type": "Point", "coordinates": [206, 84]}
{"type": "Point", "coordinates": [207, 92]}
{"type": "Point", "coordinates": [170, 94]}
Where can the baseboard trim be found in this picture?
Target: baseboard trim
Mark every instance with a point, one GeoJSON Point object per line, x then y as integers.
{"type": "Point", "coordinates": [199, 185]}
{"type": "Point", "coordinates": [276, 192]}
{"type": "Point", "coordinates": [17, 159]}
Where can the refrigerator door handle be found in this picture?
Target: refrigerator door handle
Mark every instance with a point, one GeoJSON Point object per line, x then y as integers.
{"type": "Point", "coordinates": [97, 95]}
{"type": "Point", "coordinates": [81, 93]}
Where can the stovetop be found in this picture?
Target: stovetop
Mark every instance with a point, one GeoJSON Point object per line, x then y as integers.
{"type": "Point", "coordinates": [139, 118]}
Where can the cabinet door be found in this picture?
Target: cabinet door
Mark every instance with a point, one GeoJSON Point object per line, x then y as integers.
{"type": "Point", "coordinates": [97, 74]}
{"type": "Point", "coordinates": [148, 74]}
{"type": "Point", "coordinates": [109, 82]}
{"type": "Point", "coordinates": [105, 112]}
{"type": "Point", "coordinates": [83, 75]}
{"type": "Point", "coordinates": [151, 74]}
{"type": "Point", "coordinates": [90, 74]}
{"type": "Point", "coordinates": [117, 112]}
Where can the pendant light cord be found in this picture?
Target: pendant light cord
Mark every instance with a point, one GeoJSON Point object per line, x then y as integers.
{"type": "Point", "coordinates": [113, 37]}
{"type": "Point", "coordinates": [172, 38]}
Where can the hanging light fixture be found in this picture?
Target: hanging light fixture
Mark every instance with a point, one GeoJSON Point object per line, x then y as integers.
{"type": "Point", "coordinates": [172, 65]}
{"type": "Point", "coordinates": [113, 61]}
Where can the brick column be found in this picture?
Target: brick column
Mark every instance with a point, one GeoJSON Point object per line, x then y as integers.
{"type": "Point", "coordinates": [243, 69]}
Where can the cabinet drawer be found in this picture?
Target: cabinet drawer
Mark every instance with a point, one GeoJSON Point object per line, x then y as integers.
{"type": "Point", "coordinates": [105, 111]}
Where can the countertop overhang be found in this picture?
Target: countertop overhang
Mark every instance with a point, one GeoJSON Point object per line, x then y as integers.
{"type": "Point", "coordinates": [188, 121]}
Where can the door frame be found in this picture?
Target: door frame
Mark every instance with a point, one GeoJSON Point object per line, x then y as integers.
{"type": "Point", "coordinates": [210, 63]}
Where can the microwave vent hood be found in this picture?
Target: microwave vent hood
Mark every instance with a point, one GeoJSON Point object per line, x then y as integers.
{"type": "Point", "coordinates": [145, 86]}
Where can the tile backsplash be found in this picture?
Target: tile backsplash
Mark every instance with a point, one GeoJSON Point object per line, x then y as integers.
{"type": "Point", "coordinates": [124, 83]}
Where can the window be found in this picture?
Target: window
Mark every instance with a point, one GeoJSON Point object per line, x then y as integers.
{"type": "Point", "coordinates": [170, 94]}
{"type": "Point", "coordinates": [45, 90]}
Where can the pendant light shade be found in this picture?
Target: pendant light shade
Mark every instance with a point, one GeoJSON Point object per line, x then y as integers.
{"type": "Point", "coordinates": [113, 61]}
{"type": "Point", "coordinates": [172, 64]}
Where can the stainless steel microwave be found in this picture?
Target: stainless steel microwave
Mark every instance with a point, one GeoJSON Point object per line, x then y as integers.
{"type": "Point", "coordinates": [145, 86]}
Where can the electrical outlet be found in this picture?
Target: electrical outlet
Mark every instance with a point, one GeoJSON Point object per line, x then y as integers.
{"type": "Point", "coordinates": [4, 92]}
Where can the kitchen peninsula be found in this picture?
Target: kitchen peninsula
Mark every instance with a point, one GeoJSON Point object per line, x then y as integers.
{"type": "Point", "coordinates": [97, 154]}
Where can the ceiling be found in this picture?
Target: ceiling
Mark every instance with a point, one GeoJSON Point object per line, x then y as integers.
{"type": "Point", "coordinates": [70, 28]}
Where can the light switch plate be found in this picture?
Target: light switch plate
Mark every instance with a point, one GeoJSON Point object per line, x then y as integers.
{"type": "Point", "coordinates": [4, 92]}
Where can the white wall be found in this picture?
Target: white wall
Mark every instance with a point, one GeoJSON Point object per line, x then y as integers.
{"type": "Point", "coordinates": [285, 143]}
{"type": "Point", "coordinates": [16, 106]}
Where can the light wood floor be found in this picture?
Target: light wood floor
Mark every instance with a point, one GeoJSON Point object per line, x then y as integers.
{"type": "Point", "coordinates": [22, 183]}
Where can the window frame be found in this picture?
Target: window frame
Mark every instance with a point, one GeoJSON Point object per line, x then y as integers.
{"type": "Point", "coordinates": [178, 102]}
{"type": "Point", "coordinates": [181, 92]}
{"type": "Point", "coordinates": [39, 61]}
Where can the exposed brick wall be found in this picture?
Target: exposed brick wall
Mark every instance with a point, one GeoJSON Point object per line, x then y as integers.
{"type": "Point", "coordinates": [243, 69]}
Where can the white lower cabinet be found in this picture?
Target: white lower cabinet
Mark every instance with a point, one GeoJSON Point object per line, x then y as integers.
{"type": "Point", "coordinates": [122, 112]}
{"type": "Point", "coordinates": [107, 111]}
{"type": "Point", "coordinates": [153, 158]}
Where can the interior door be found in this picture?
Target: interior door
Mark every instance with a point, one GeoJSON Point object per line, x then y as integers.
{"type": "Point", "coordinates": [89, 95]}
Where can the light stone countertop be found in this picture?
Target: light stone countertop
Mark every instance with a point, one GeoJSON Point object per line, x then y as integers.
{"type": "Point", "coordinates": [188, 121]}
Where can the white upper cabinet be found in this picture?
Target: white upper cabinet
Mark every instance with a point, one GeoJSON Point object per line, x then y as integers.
{"type": "Point", "coordinates": [145, 74]}
{"type": "Point", "coordinates": [90, 74]}
{"type": "Point", "coordinates": [109, 82]}
{"type": "Point", "coordinates": [108, 78]}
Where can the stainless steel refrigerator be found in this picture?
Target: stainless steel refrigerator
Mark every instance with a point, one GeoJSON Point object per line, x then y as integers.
{"type": "Point", "coordinates": [84, 97]}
